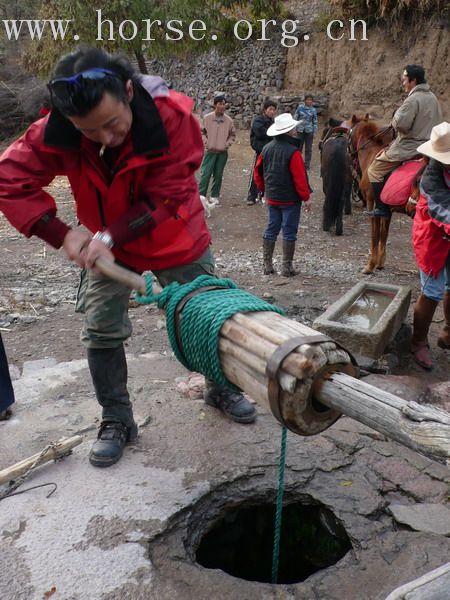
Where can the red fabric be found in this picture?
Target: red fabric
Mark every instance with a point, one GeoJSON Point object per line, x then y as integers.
{"type": "Point", "coordinates": [167, 181]}
{"type": "Point", "coordinates": [298, 173]}
{"type": "Point", "coordinates": [398, 187]}
{"type": "Point", "coordinates": [258, 175]}
{"type": "Point", "coordinates": [430, 248]}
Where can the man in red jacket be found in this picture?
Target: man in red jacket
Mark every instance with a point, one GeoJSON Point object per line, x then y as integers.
{"type": "Point", "coordinates": [130, 148]}
{"type": "Point", "coordinates": [280, 173]}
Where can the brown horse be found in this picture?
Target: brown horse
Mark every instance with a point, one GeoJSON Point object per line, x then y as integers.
{"type": "Point", "coordinates": [367, 139]}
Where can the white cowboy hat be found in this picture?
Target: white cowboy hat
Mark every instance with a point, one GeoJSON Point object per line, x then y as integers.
{"type": "Point", "coordinates": [282, 124]}
{"type": "Point", "coordinates": [438, 146]}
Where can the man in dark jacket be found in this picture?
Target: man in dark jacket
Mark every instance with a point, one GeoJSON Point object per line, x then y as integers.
{"type": "Point", "coordinates": [258, 139]}
{"type": "Point", "coordinates": [130, 148]}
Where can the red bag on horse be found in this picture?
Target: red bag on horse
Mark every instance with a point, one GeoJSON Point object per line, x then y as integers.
{"type": "Point", "coordinates": [397, 188]}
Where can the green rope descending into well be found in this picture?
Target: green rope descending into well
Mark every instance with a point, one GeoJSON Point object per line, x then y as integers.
{"type": "Point", "coordinates": [279, 507]}
{"type": "Point", "coordinates": [202, 318]}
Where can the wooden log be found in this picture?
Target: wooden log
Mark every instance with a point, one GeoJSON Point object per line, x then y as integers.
{"type": "Point", "coordinates": [423, 428]}
{"type": "Point", "coordinates": [286, 381]}
{"type": "Point", "coordinates": [434, 585]}
{"type": "Point", "coordinates": [275, 336]}
{"type": "Point", "coordinates": [252, 383]}
{"type": "Point", "coordinates": [294, 364]}
{"type": "Point", "coordinates": [57, 450]}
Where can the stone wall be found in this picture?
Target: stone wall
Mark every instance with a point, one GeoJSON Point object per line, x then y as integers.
{"type": "Point", "coordinates": [249, 75]}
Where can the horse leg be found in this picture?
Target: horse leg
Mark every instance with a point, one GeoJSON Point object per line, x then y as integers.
{"type": "Point", "coordinates": [374, 243]}
{"type": "Point", "coordinates": [348, 205]}
{"type": "Point", "coordinates": [348, 199]}
{"type": "Point", "coordinates": [384, 232]}
{"type": "Point", "coordinates": [339, 223]}
{"type": "Point", "coordinates": [325, 222]}
{"type": "Point", "coordinates": [325, 211]}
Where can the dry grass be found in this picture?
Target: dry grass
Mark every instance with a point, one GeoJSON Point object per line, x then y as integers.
{"type": "Point", "coordinates": [388, 10]}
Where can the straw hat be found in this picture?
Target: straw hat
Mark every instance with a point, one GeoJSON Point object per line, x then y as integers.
{"type": "Point", "coordinates": [438, 147]}
{"type": "Point", "coordinates": [282, 124]}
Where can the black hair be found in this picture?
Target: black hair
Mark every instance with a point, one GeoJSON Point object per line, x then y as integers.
{"type": "Point", "coordinates": [416, 72]}
{"type": "Point", "coordinates": [268, 103]}
{"type": "Point", "coordinates": [74, 100]}
{"type": "Point", "coordinates": [219, 98]}
{"type": "Point", "coordinates": [309, 96]}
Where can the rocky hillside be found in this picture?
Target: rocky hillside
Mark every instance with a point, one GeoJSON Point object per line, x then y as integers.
{"type": "Point", "coordinates": [364, 76]}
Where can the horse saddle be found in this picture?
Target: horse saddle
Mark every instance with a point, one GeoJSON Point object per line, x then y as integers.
{"type": "Point", "coordinates": [397, 188]}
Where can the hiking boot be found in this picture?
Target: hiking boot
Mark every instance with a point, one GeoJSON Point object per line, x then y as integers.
{"type": "Point", "coordinates": [287, 270]}
{"type": "Point", "coordinates": [423, 315]}
{"type": "Point", "coordinates": [232, 404]}
{"type": "Point", "coordinates": [5, 414]}
{"type": "Point", "coordinates": [381, 210]}
{"type": "Point", "coordinates": [250, 202]}
{"type": "Point", "coordinates": [268, 248]}
{"type": "Point", "coordinates": [444, 337]}
{"type": "Point", "coordinates": [422, 356]}
{"type": "Point", "coordinates": [111, 440]}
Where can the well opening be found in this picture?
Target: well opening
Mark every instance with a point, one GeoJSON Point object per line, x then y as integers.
{"type": "Point", "coordinates": [241, 542]}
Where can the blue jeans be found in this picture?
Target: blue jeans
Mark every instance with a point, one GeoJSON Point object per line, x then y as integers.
{"type": "Point", "coordinates": [285, 217]}
{"type": "Point", "coordinates": [434, 287]}
{"type": "Point", "coordinates": [307, 140]}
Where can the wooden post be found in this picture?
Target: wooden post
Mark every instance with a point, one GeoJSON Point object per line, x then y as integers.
{"type": "Point", "coordinates": [423, 428]}
{"type": "Point", "coordinates": [56, 450]}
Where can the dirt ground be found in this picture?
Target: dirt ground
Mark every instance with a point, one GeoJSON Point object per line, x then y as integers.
{"type": "Point", "coordinates": [38, 285]}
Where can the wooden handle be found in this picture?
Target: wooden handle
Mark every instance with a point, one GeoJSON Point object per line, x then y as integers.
{"type": "Point", "coordinates": [125, 276]}
{"type": "Point", "coordinates": [61, 447]}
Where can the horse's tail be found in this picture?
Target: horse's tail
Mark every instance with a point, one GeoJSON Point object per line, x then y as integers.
{"type": "Point", "coordinates": [335, 172]}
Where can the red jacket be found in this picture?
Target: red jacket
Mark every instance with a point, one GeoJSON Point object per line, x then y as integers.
{"type": "Point", "coordinates": [431, 232]}
{"type": "Point", "coordinates": [153, 182]}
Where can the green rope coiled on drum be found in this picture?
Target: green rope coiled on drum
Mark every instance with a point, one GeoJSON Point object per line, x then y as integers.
{"type": "Point", "coordinates": [201, 320]}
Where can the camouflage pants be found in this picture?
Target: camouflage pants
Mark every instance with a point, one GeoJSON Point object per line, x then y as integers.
{"type": "Point", "coordinates": [104, 302]}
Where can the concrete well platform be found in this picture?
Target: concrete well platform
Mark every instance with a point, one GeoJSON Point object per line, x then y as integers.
{"type": "Point", "coordinates": [367, 317]}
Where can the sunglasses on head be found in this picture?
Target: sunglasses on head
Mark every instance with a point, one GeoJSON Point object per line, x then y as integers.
{"type": "Point", "coordinates": [75, 81]}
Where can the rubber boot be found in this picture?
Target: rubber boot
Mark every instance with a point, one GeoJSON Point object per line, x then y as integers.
{"type": "Point", "coordinates": [232, 404]}
{"type": "Point", "coordinates": [444, 337]}
{"type": "Point", "coordinates": [268, 248]}
{"type": "Point", "coordinates": [381, 209]}
{"type": "Point", "coordinates": [423, 315]}
{"type": "Point", "coordinates": [108, 367]}
{"type": "Point", "coordinates": [287, 269]}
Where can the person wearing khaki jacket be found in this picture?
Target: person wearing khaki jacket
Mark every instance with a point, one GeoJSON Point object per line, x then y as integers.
{"type": "Point", "coordinates": [218, 133]}
{"type": "Point", "coordinates": [413, 123]}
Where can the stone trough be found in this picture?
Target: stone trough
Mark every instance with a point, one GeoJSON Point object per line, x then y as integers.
{"type": "Point", "coordinates": [367, 317]}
